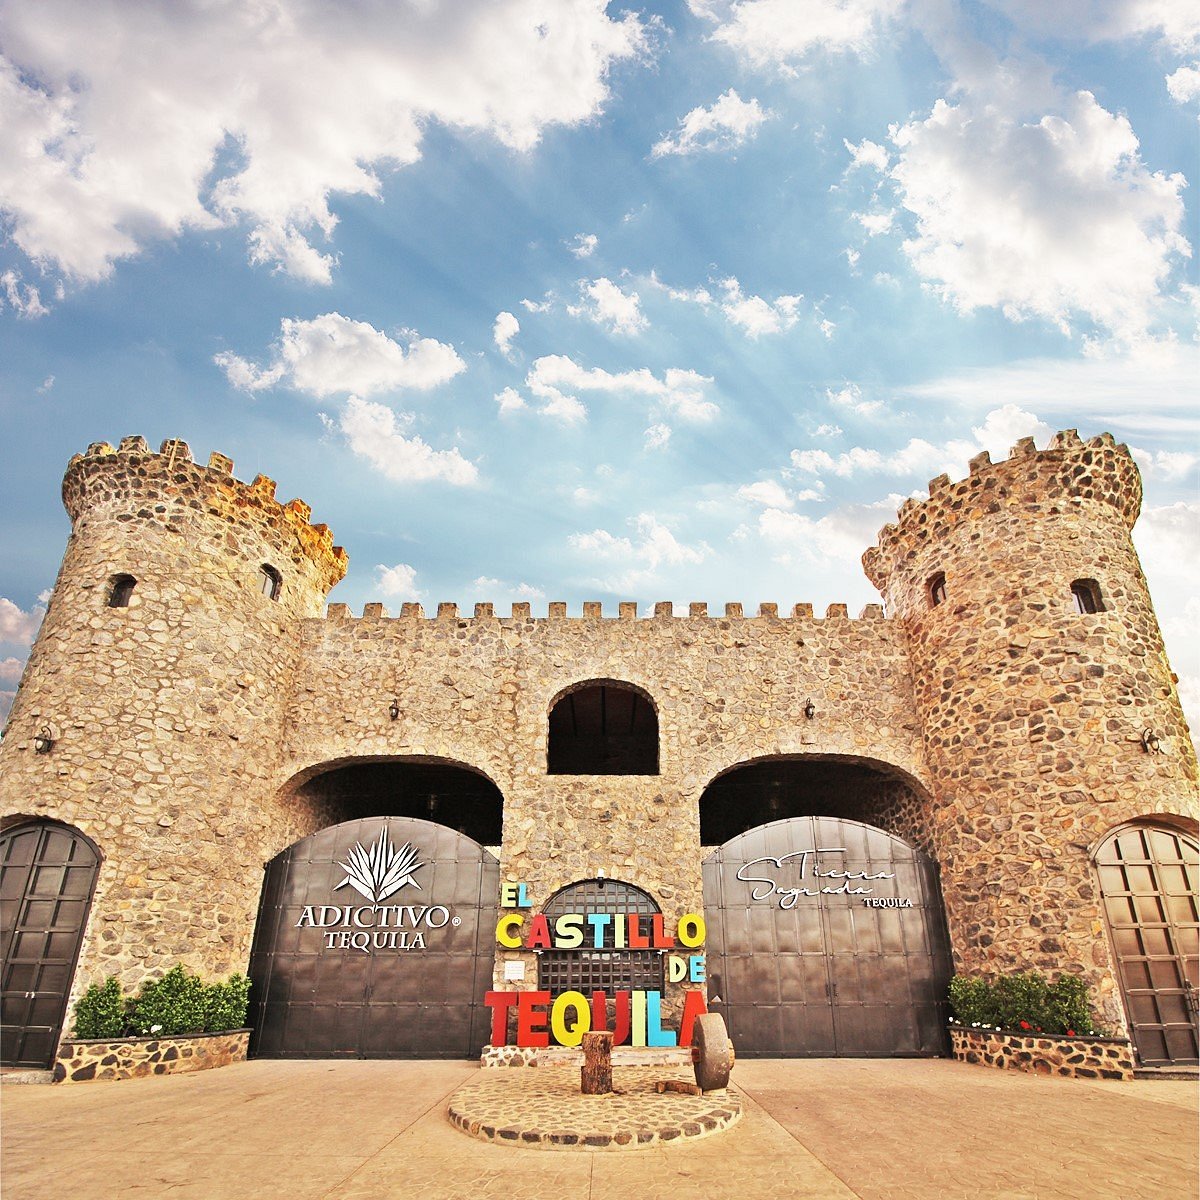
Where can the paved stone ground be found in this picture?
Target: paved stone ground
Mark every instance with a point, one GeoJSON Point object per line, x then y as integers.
{"type": "Point", "coordinates": [875, 1129]}
{"type": "Point", "coordinates": [544, 1109]}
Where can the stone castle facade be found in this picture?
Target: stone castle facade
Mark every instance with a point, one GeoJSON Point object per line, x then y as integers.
{"type": "Point", "coordinates": [983, 719]}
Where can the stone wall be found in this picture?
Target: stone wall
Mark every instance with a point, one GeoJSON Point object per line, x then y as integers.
{"type": "Point", "coordinates": [82, 1060]}
{"type": "Point", "coordinates": [1045, 1054]}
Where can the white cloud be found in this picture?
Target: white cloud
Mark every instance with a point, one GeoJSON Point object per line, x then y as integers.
{"type": "Point", "coordinates": [756, 316]}
{"type": "Point", "coordinates": [850, 398]}
{"type": "Point", "coordinates": [765, 492]}
{"type": "Point", "coordinates": [585, 495]}
{"type": "Point", "coordinates": [375, 433]}
{"type": "Point", "coordinates": [539, 306]}
{"type": "Point", "coordinates": [1037, 203]}
{"type": "Point", "coordinates": [127, 123]}
{"type": "Point", "coordinates": [1169, 465]}
{"type": "Point", "coordinates": [23, 298]}
{"type": "Point", "coordinates": [780, 33]}
{"type": "Point", "coordinates": [399, 581]}
{"type": "Point", "coordinates": [510, 401]}
{"type": "Point", "coordinates": [867, 154]}
{"type": "Point", "coordinates": [504, 330]}
{"type": "Point", "coordinates": [46, 385]}
{"type": "Point", "coordinates": [332, 354]}
{"type": "Point", "coordinates": [1176, 22]}
{"type": "Point", "coordinates": [606, 305]}
{"type": "Point", "coordinates": [1184, 84]}
{"type": "Point", "coordinates": [728, 123]}
{"type": "Point", "coordinates": [554, 378]}
{"type": "Point", "coordinates": [498, 587]}
{"type": "Point", "coordinates": [583, 246]}
{"type": "Point", "coordinates": [10, 669]}
{"type": "Point", "coordinates": [828, 431]}
{"type": "Point", "coordinates": [636, 561]}
{"type": "Point", "coordinates": [657, 436]}
{"type": "Point", "coordinates": [876, 222]}
{"type": "Point", "coordinates": [17, 627]}
{"type": "Point", "coordinates": [837, 537]}
{"type": "Point", "coordinates": [1000, 430]}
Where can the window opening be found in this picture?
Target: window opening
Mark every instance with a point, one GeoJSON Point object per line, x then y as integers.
{"type": "Point", "coordinates": [937, 589]}
{"type": "Point", "coordinates": [1086, 595]}
{"type": "Point", "coordinates": [270, 582]}
{"type": "Point", "coordinates": [606, 968]}
{"type": "Point", "coordinates": [121, 591]}
{"type": "Point", "coordinates": [603, 729]}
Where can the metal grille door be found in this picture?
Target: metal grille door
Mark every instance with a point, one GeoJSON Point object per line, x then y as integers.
{"type": "Point", "coordinates": [826, 937]}
{"type": "Point", "coordinates": [603, 970]}
{"type": "Point", "coordinates": [1148, 880]}
{"type": "Point", "coordinates": [375, 940]}
{"type": "Point", "coordinates": [47, 877]}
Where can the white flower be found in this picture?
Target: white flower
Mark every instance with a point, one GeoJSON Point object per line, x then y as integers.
{"type": "Point", "coordinates": [155, 1028]}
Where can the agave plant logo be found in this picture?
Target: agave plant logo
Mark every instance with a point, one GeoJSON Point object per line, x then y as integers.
{"type": "Point", "coordinates": [382, 870]}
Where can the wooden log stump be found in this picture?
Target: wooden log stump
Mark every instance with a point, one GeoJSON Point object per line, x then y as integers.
{"type": "Point", "coordinates": [595, 1076]}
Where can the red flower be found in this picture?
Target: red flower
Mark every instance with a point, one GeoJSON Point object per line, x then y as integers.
{"type": "Point", "coordinates": [1070, 1033]}
{"type": "Point", "coordinates": [1026, 1025]}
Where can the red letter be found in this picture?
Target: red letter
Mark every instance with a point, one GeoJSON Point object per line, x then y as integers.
{"type": "Point", "coordinates": [636, 940]}
{"type": "Point", "coordinates": [500, 1003]}
{"type": "Point", "coordinates": [693, 1007]}
{"type": "Point", "coordinates": [539, 933]}
{"type": "Point", "coordinates": [659, 937]}
{"type": "Point", "coordinates": [531, 1024]}
{"type": "Point", "coordinates": [621, 1021]}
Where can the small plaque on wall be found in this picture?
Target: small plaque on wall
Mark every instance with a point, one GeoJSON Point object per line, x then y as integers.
{"type": "Point", "coordinates": [514, 970]}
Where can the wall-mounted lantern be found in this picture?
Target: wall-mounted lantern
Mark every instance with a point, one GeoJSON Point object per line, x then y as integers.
{"type": "Point", "coordinates": [810, 709]}
{"type": "Point", "coordinates": [394, 710]}
{"type": "Point", "coordinates": [1151, 742]}
{"type": "Point", "coordinates": [43, 740]}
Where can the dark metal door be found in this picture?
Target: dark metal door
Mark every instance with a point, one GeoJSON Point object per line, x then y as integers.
{"type": "Point", "coordinates": [826, 937]}
{"type": "Point", "coordinates": [375, 939]}
{"type": "Point", "coordinates": [1148, 880]}
{"type": "Point", "coordinates": [47, 877]}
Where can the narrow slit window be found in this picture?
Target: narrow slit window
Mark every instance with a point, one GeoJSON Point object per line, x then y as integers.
{"type": "Point", "coordinates": [937, 589]}
{"type": "Point", "coordinates": [1086, 596]}
{"type": "Point", "coordinates": [121, 590]}
{"type": "Point", "coordinates": [270, 582]}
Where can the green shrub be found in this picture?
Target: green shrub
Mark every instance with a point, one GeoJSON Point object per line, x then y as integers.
{"type": "Point", "coordinates": [1024, 1002]}
{"type": "Point", "coordinates": [100, 1011]}
{"type": "Point", "coordinates": [170, 1005]}
{"type": "Point", "coordinates": [226, 1004]}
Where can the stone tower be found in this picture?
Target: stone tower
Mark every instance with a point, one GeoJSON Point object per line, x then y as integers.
{"type": "Point", "coordinates": [162, 671]}
{"type": "Point", "coordinates": [1034, 712]}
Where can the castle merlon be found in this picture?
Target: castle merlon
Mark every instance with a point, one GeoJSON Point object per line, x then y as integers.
{"type": "Point", "coordinates": [1098, 470]}
{"type": "Point", "coordinates": [593, 611]}
{"type": "Point", "coordinates": [173, 468]}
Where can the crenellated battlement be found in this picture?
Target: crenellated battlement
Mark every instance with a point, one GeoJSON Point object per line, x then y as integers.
{"type": "Point", "coordinates": [593, 611]}
{"type": "Point", "coordinates": [1098, 470]}
{"type": "Point", "coordinates": [171, 480]}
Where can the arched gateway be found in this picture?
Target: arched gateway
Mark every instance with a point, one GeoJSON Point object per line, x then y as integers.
{"type": "Point", "coordinates": [375, 940]}
{"type": "Point", "coordinates": [826, 937]}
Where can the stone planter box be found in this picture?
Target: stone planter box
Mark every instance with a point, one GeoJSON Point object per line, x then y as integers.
{"type": "Point", "coordinates": [81, 1059]}
{"type": "Point", "coordinates": [1044, 1053]}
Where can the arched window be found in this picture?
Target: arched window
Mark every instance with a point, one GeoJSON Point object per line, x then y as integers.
{"type": "Point", "coordinates": [120, 591]}
{"type": "Point", "coordinates": [603, 728]}
{"type": "Point", "coordinates": [270, 582]}
{"type": "Point", "coordinates": [1086, 595]}
{"type": "Point", "coordinates": [937, 589]}
{"type": "Point", "coordinates": [606, 968]}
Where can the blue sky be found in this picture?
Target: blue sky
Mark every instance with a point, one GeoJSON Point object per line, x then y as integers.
{"type": "Point", "coordinates": [559, 301]}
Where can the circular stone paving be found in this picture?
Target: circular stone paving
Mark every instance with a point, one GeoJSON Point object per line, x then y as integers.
{"type": "Point", "coordinates": [542, 1108]}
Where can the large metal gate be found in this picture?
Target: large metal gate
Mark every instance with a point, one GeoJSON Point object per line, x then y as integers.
{"type": "Point", "coordinates": [47, 877]}
{"type": "Point", "coordinates": [826, 937]}
{"type": "Point", "coordinates": [1149, 879]}
{"type": "Point", "coordinates": [375, 939]}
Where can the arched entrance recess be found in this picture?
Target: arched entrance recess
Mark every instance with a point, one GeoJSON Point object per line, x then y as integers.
{"type": "Point", "coordinates": [47, 878]}
{"type": "Point", "coordinates": [826, 937]}
{"type": "Point", "coordinates": [1148, 882]}
{"type": "Point", "coordinates": [375, 939]}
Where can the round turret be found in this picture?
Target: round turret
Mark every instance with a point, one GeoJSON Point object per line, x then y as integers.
{"type": "Point", "coordinates": [1049, 709]}
{"type": "Point", "coordinates": [162, 673]}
